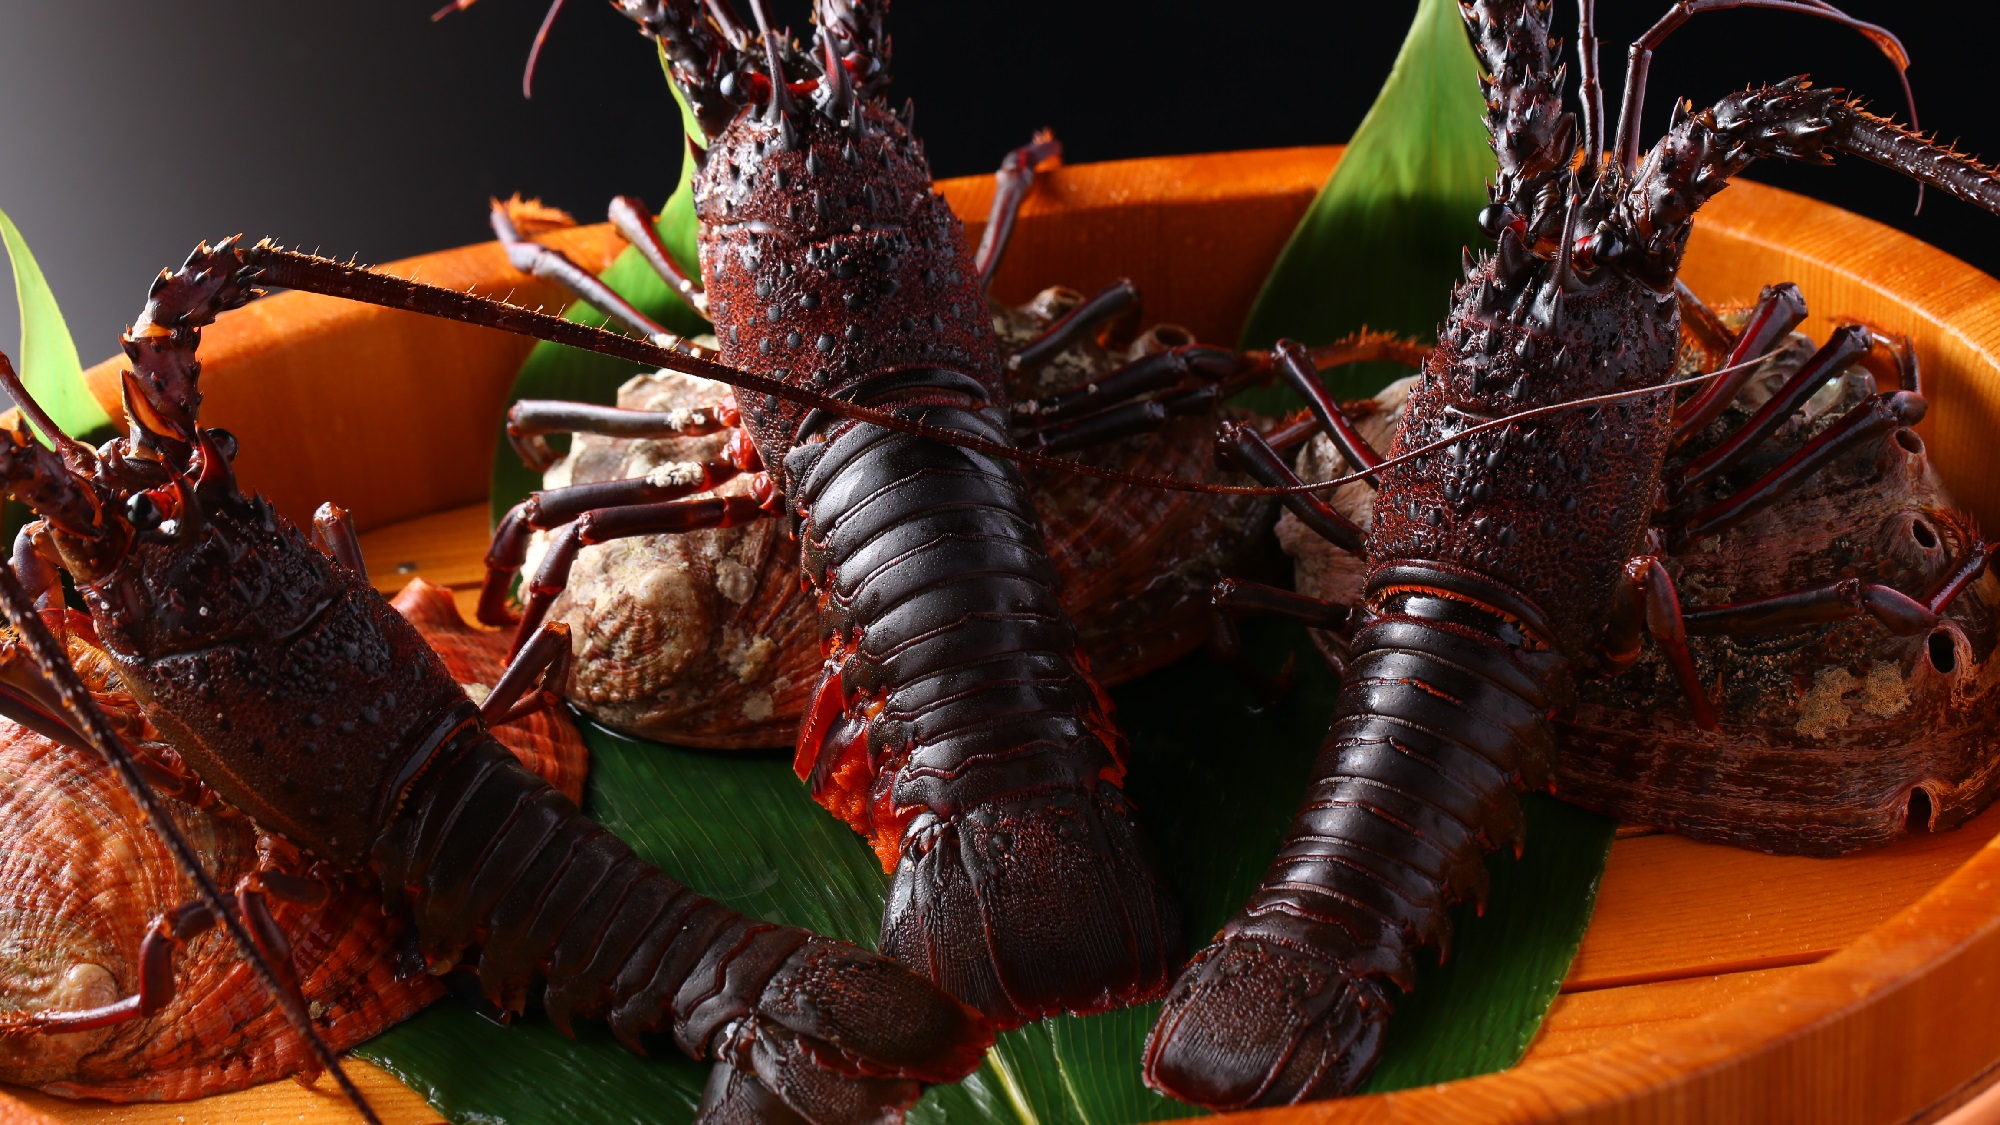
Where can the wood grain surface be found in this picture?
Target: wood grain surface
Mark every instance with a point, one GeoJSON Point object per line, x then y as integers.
{"type": "Point", "coordinates": [1714, 985]}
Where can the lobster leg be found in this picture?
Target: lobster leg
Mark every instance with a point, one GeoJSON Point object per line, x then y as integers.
{"type": "Point", "coordinates": [1884, 413]}
{"type": "Point", "coordinates": [1236, 598]}
{"type": "Point", "coordinates": [35, 561]}
{"type": "Point", "coordinates": [544, 660]}
{"type": "Point", "coordinates": [1120, 421]}
{"type": "Point", "coordinates": [640, 227]}
{"type": "Point", "coordinates": [1847, 344]}
{"type": "Point", "coordinates": [1296, 367]}
{"type": "Point", "coordinates": [1012, 183]}
{"type": "Point", "coordinates": [530, 419]}
{"type": "Point", "coordinates": [164, 936]}
{"type": "Point", "coordinates": [1780, 308]}
{"type": "Point", "coordinates": [1844, 600]}
{"type": "Point", "coordinates": [602, 525]}
{"type": "Point", "coordinates": [1232, 599]}
{"type": "Point", "coordinates": [1711, 335]}
{"type": "Point", "coordinates": [1254, 455]}
{"type": "Point", "coordinates": [531, 257]}
{"type": "Point", "coordinates": [1112, 301]}
{"type": "Point", "coordinates": [1190, 362]}
{"type": "Point", "coordinates": [555, 507]}
{"type": "Point", "coordinates": [1652, 601]}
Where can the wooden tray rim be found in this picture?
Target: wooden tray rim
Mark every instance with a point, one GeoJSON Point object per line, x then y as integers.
{"type": "Point", "coordinates": [1944, 947]}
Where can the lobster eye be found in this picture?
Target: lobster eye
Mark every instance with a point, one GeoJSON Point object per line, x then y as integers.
{"type": "Point", "coordinates": [224, 442]}
{"type": "Point", "coordinates": [142, 512]}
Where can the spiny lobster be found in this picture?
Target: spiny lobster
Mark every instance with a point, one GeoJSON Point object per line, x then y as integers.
{"type": "Point", "coordinates": [1829, 737]}
{"type": "Point", "coordinates": [1524, 556]}
{"type": "Point", "coordinates": [956, 723]}
{"type": "Point", "coordinates": [289, 687]}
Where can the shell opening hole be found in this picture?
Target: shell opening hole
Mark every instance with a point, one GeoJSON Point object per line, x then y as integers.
{"type": "Point", "coordinates": [1943, 652]}
{"type": "Point", "coordinates": [1056, 300]}
{"type": "Point", "coordinates": [1911, 443]}
{"type": "Point", "coordinates": [1917, 816]}
{"type": "Point", "coordinates": [1924, 535]}
{"type": "Point", "coordinates": [1172, 336]}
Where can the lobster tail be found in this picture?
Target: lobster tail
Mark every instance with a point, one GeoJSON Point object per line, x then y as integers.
{"type": "Point", "coordinates": [957, 726]}
{"type": "Point", "coordinates": [1442, 719]}
{"type": "Point", "coordinates": [484, 851]}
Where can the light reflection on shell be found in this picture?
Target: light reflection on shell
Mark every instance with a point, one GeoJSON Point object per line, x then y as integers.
{"type": "Point", "coordinates": [82, 877]}
{"type": "Point", "coordinates": [705, 639]}
{"type": "Point", "coordinates": [1833, 737]}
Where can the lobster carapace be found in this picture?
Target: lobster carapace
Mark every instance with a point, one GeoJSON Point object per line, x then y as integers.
{"type": "Point", "coordinates": [1520, 556]}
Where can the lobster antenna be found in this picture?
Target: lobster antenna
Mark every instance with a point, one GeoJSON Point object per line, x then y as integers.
{"type": "Point", "coordinates": [725, 22]}
{"type": "Point", "coordinates": [1640, 60]}
{"type": "Point", "coordinates": [1523, 416]}
{"type": "Point", "coordinates": [535, 51]}
{"type": "Point", "coordinates": [96, 729]}
{"type": "Point", "coordinates": [1590, 90]}
{"type": "Point", "coordinates": [291, 270]}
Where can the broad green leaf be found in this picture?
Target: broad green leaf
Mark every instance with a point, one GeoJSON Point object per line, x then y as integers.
{"type": "Point", "coordinates": [49, 366]}
{"type": "Point", "coordinates": [1380, 246]}
{"type": "Point", "coordinates": [559, 372]}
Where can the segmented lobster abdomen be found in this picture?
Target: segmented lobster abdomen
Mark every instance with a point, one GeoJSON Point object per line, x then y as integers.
{"type": "Point", "coordinates": [1443, 717]}
{"type": "Point", "coordinates": [958, 727]}
{"type": "Point", "coordinates": [487, 856]}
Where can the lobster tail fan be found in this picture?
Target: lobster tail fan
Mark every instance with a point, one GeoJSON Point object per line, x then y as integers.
{"type": "Point", "coordinates": [1264, 1023]}
{"type": "Point", "coordinates": [1033, 905]}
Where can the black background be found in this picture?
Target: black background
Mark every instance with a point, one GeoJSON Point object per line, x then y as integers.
{"type": "Point", "coordinates": [129, 129]}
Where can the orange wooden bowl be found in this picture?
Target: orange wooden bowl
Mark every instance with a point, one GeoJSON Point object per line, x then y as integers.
{"type": "Point", "coordinates": [1714, 985]}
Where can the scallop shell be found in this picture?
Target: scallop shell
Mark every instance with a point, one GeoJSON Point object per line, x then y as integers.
{"type": "Point", "coordinates": [83, 876]}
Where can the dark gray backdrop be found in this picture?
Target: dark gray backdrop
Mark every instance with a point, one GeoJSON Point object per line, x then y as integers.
{"type": "Point", "coordinates": [131, 128]}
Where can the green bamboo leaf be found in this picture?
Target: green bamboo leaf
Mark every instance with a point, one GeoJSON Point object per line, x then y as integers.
{"type": "Point", "coordinates": [49, 366]}
{"type": "Point", "coordinates": [1477, 1012]}
{"type": "Point", "coordinates": [1380, 246]}
{"type": "Point", "coordinates": [559, 372]}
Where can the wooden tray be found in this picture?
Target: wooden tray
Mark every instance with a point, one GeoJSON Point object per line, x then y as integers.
{"type": "Point", "coordinates": [1714, 985]}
